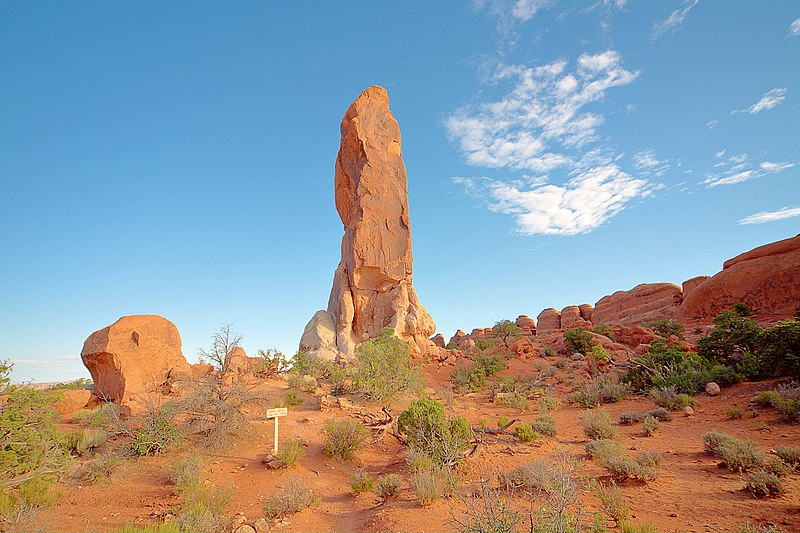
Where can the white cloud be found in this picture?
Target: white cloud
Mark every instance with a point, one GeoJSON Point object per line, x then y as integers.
{"type": "Point", "coordinates": [771, 216]}
{"type": "Point", "coordinates": [794, 28]}
{"type": "Point", "coordinates": [582, 204]}
{"type": "Point", "coordinates": [673, 22]}
{"type": "Point", "coordinates": [736, 169]}
{"type": "Point", "coordinates": [524, 10]}
{"type": "Point", "coordinates": [646, 162]}
{"type": "Point", "coordinates": [711, 123]}
{"type": "Point", "coordinates": [542, 116]}
{"type": "Point", "coordinates": [721, 153]}
{"type": "Point", "coordinates": [769, 100]}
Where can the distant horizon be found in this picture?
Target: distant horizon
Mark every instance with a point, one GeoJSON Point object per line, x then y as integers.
{"type": "Point", "coordinates": [178, 160]}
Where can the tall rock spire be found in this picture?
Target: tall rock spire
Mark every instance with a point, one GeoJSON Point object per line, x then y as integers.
{"type": "Point", "coordinates": [372, 285]}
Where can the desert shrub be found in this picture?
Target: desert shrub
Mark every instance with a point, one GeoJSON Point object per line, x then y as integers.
{"type": "Point", "coordinates": [484, 344]}
{"type": "Point", "coordinates": [631, 417]}
{"type": "Point", "coordinates": [474, 377]}
{"type": "Point", "coordinates": [789, 410]}
{"type": "Point", "coordinates": [612, 501]}
{"type": "Point", "coordinates": [548, 402]}
{"type": "Point", "coordinates": [598, 425]}
{"type": "Point", "coordinates": [385, 368]}
{"type": "Point", "coordinates": [387, 486]}
{"type": "Point", "coordinates": [746, 527]}
{"type": "Point", "coordinates": [431, 484]}
{"type": "Point", "coordinates": [292, 498]}
{"type": "Point", "coordinates": [629, 527]}
{"type": "Point", "coordinates": [530, 477]}
{"type": "Point", "coordinates": [524, 433]}
{"type": "Point", "coordinates": [578, 340]}
{"type": "Point", "coordinates": [768, 398]}
{"type": "Point", "coordinates": [430, 431]}
{"type": "Point", "coordinates": [507, 331]}
{"type": "Point", "coordinates": [650, 424]}
{"type": "Point", "coordinates": [736, 454]}
{"type": "Point", "coordinates": [103, 415]}
{"type": "Point", "coordinates": [599, 353]}
{"type": "Point", "coordinates": [502, 421]}
{"type": "Point", "coordinates": [514, 400]}
{"type": "Point", "coordinates": [666, 365]}
{"type": "Point", "coordinates": [665, 328]}
{"type": "Point", "coordinates": [75, 384]}
{"type": "Point", "coordinates": [271, 362]}
{"type": "Point", "coordinates": [604, 329]}
{"type": "Point", "coordinates": [603, 389]}
{"type": "Point", "coordinates": [611, 455]}
{"type": "Point", "coordinates": [186, 471]}
{"type": "Point", "coordinates": [90, 438]}
{"type": "Point", "coordinates": [670, 398]}
{"type": "Point", "coordinates": [308, 383]}
{"type": "Point", "coordinates": [361, 481]}
{"type": "Point", "coordinates": [777, 466]}
{"type": "Point", "coordinates": [157, 432]}
{"type": "Point", "coordinates": [32, 451]}
{"type": "Point", "coordinates": [492, 510]}
{"type": "Point", "coordinates": [764, 484]}
{"type": "Point", "coordinates": [549, 351]}
{"type": "Point", "coordinates": [291, 453]}
{"type": "Point", "coordinates": [100, 467]}
{"type": "Point", "coordinates": [216, 404]}
{"type": "Point", "coordinates": [736, 341]}
{"type": "Point", "coordinates": [723, 375]}
{"type": "Point", "coordinates": [790, 455]}
{"type": "Point", "coordinates": [734, 412]}
{"type": "Point", "coordinates": [290, 400]}
{"type": "Point", "coordinates": [201, 507]}
{"type": "Point", "coordinates": [781, 348]}
{"type": "Point", "coordinates": [344, 437]}
{"type": "Point", "coordinates": [545, 425]}
{"type": "Point", "coordinates": [418, 460]}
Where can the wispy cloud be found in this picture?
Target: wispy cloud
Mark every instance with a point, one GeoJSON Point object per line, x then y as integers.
{"type": "Point", "coordinates": [673, 22]}
{"type": "Point", "coordinates": [524, 10]}
{"type": "Point", "coordinates": [769, 100]}
{"type": "Point", "coordinates": [544, 113]}
{"type": "Point", "coordinates": [794, 28]}
{"type": "Point", "coordinates": [737, 169]}
{"type": "Point", "coordinates": [646, 162]}
{"type": "Point", "coordinates": [711, 123]}
{"type": "Point", "coordinates": [582, 204]}
{"type": "Point", "coordinates": [771, 216]}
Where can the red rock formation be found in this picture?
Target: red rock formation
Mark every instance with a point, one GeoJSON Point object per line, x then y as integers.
{"type": "Point", "coordinates": [691, 284]}
{"type": "Point", "coordinates": [372, 285]}
{"type": "Point", "coordinates": [586, 311]}
{"type": "Point", "coordinates": [70, 401]}
{"type": "Point", "coordinates": [526, 324]}
{"type": "Point", "coordinates": [643, 303]}
{"type": "Point", "coordinates": [133, 355]}
{"type": "Point", "coordinates": [766, 278]}
{"type": "Point", "coordinates": [438, 340]}
{"type": "Point", "coordinates": [548, 320]}
{"type": "Point", "coordinates": [569, 316]}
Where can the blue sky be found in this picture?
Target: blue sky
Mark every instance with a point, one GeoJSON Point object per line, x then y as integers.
{"type": "Point", "coordinates": [177, 158]}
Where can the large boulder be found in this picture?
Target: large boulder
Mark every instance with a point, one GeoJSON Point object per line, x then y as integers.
{"type": "Point", "coordinates": [548, 320]}
{"type": "Point", "coordinates": [569, 316]}
{"type": "Point", "coordinates": [372, 286]}
{"type": "Point", "coordinates": [70, 400]}
{"type": "Point", "coordinates": [643, 303]}
{"type": "Point", "coordinates": [319, 337]}
{"type": "Point", "coordinates": [133, 355]}
{"type": "Point", "coordinates": [766, 278]}
{"type": "Point", "coordinates": [526, 324]}
{"type": "Point", "coordinates": [586, 311]}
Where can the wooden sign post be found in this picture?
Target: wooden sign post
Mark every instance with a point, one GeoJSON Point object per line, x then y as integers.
{"type": "Point", "coordinates": [275, 413]}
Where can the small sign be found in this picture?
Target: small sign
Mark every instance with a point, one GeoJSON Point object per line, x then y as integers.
{"type": "Point", "coordinates": [280, 411]}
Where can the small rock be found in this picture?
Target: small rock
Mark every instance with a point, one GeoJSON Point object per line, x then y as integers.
{"type": "Point", "coordinates": [238, 521]}
{"type": "Point", "coordinates": [712, 389]}
{"type": "Point", "coordinates": [244, 529]}
{"type": "Point", "coordinates": [688, 411]}
{"type": "Point", "coordinates": [674, 515]}
{"type": "Point", "coordinates": [261, 526]}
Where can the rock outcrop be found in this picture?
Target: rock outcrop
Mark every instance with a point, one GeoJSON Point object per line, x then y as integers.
{"type": "Point", "coordinates": [586, 311]}
{"type": "Point", "coordinates": [766, 278]}
{"type": "Point", "coordinates": [570, 316]}
{"type": "Point", "coordinates": [372, 286]}
{"type": "Point", "coordinates": [133, 355]}
{"type": "Point", "coordinates": [548, 320]}
{"type": "Point", "coordinates": [643, 303]}
{"type": "Point", "coordinates": [526, 324]}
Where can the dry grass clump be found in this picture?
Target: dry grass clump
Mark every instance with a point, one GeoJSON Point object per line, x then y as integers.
{"type": "Point", "coordinates": [611, 455]}
{"type": "Point", "coordinates": [291, 453]}
{"type": "Point", "coordinates": [344, 437]}
{"type": "Point", "coordinates": [650, 424]}
{"type": "Point", "coordinates": [598, 425]}
{"type": "Point", "coordinates": [612, 501]}
{"type": "Point", "coordinates": [790, 455]}
{"type": "Point", "coordinates": [100, 467]}
{"type": "Point", "coordinates": [361, 481]}
{"type": "Point", "coordinates": [545, 425]}
{"type": "Point", "coordinates": [604, 389]}
{"type": "Point", "coordinates": [764, 484]}
{"type": "Point", "coordinates": [736, 454]}
{"type": "Point", "coordinates": [432, 483]}
{"type": "Point", "coordinates": [292, 498]}
{"type": "Point", "coordinates": [388, 486]}
{"type": "Point", "coordinates": [632, 417]}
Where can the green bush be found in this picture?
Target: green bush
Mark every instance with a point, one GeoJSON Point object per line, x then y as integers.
{"type": "Point", "coordinates": [763, 484]}
{"type": "Point", "coordinates": [103, 415]}
{"type": "Point", "coordinates": [736, 341]}
{"type": "Point", "coordinates": [361, 481]}
{"type": "Point", "coordinates": [604, 329]}
{"type": "Point", "coordinates": [388, 486]}
{"type": "Point", "coordinates": [669, 398]}
{"type": "Point", "coordinates": [545, 425]}
{"type": "Point", "coordinates": [666, 365]}
{"type": "Point", "coordinates": [768, 398]}
{"type": "Point", "coordinates": [524, 433]}
{"type": "Point", "coordinates": [631, 417]}
{"type": "Point", "coordinates": [734, 412]}
{"type": "Point", "coordinates": [665, 328]}
{"type": "Point", "coordinates": [611, 455]}
{"type": "Point", "coordinates": [598, 425]}
{"type": "Point", "coordinates": [736, 454]}
{"type": "Point", "coordinates": [157, 432]}
{"type": "Point", "coordinates": [484, 344]}
{"type": "Point", "coordinates": [650, 424]}
{"type": "Point", "coordinates": [202, 507]}
{"type": "Point", "coordinates": [603, 389]}
{"type": "Point", "coordinates": [474, 377]}
{"type": "Point", "coordinates": [385, 369]}
{"type": "Point", "coordinates": [90, 438]}
{"type": "Point", "coordinates": [292, 498]}
{"type": "Point", "coordinates": [578, 340]}
{"type": "Point", "coordinates": [548, 402]}
{"type": "Point", "coordinates": [514, 400]}
{"type": "Point", "coordinates": [271, 362]}
{"type": "Point", "coordinates": [344, 437]}
{"type": "Point", "coordinates": [781, 348]}
{"type": "Point", "coordinates": [430, 431]}
{"type": "Point", "coordinates": [790, 455]}
{"type": "Point", "coordinates": [291, 453]}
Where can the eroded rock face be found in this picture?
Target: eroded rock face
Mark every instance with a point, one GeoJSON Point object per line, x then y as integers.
{"type": "Point", "coordinates": [766, 278]}
{"type": "Point", "coordinates": [133, 355]}
{"type": "Point", "coordinates": [570, 315]}
{"type": "Point", "coordinates": [372, 286]}
{"type": "Point", "coordinates": [526, 324]}
{"type": "Point", "coordinates": [586, 311]}
{"type": "Point", "coordinates": [548, 320]}
{"type": "Point", "coordinates": [643, 303]}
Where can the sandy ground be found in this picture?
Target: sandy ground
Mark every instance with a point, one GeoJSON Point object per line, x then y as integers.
{"type": "Point", "coordinates": [693, 493]}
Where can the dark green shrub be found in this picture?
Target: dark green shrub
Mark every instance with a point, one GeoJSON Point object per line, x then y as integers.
{"type": "Point", "coordinates": [524, 433]}
{"type": "Point", "coordinates": [474, 377]}
{"type": "Point", "coordinates": [344, 437]}
{"type": "Point", "coordinates": [666, 365]}
{"type": "Point", "coordinates": [781, 352]}
{"type": "Point", "coordinates": [430, 431]}
{"type": "Point", "coordinates": [484, 344]}
{"type": "Point", "coordinates": [732, 337]}
{"type": "Point", "coordinates": [603, 329]}
{"type": "Point", "coordinates": [578, 340]}
{"type": "Point", "coordinates": [385, 369]}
